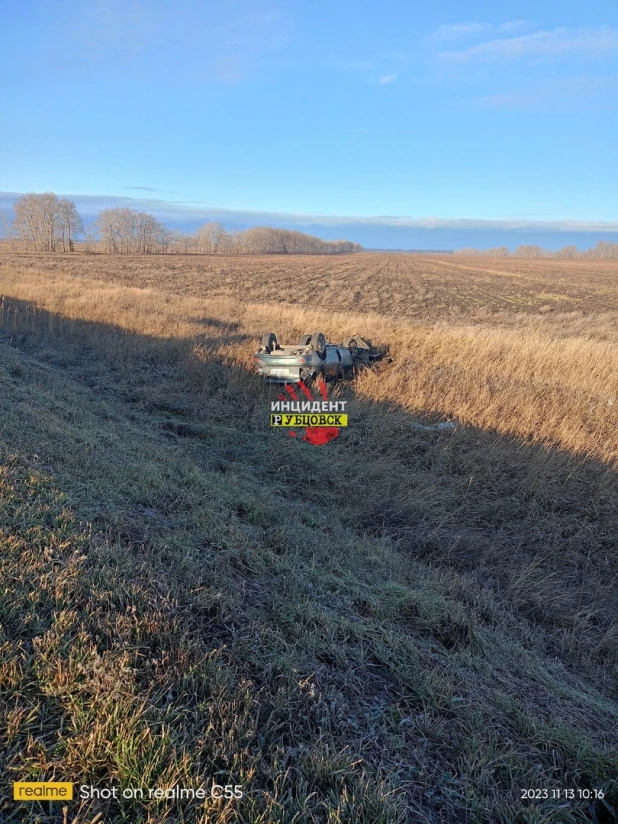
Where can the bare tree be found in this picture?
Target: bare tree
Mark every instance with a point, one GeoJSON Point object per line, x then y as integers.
{"type": "Point", "coordinates": [209, 238]}
{"type": "Point", "coordinates": [567, 252]}
{"type": "Point", "coordinates": [187, 243]}
{"type": "Point", "coordinates": [230, 243]}
{"type": "Point", "coordinates": [116, 229]}
{"type": "Point", "coordinates": [165, 239]}
{"type": "Point", "coordinates": [90, 241]}
{"type": "Point", "coordinates": [126, 230]}
{"type": "Point", "coordinates": [109, 224]}
{"type": "Point", "coordinates": [183, 243]}
{"type": "Point", "coordinates": [604, 249]}
{"type": "Point", "coordinates": [36, 220]}
{"type": "Point", "coordinates": [147, 233]}
{"type": "Point", "coordinates": [69, 224]}
{"type": "Point", "coordinates": [173, 241]}
{"type": "Point", "coordinates": [263, 240]}
{"type": "Point", "coordinates": [44, 223]}
{"type": "Point", "coordinates": [528, 251]}
{"type": "Point", "coordinates": [256, 241]}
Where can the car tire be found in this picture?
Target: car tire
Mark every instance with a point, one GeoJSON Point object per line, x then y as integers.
{"type": "Point", "coordinates": [269, 342]}
{"type": "Point", "coordinates": [318, 344]}
{"type": "Point", "coordinates": [305, 340]}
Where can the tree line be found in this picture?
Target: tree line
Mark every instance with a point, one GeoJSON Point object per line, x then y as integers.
{"type": "Point", "coordinates": [45, 223]}
{"type": "Point", "coordinates": [603, 249]}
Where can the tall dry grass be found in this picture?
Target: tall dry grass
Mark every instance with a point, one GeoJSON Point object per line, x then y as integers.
{"type": "Point", "coordinates": [535, 382]}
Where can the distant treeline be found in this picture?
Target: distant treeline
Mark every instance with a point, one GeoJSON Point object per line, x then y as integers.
{"type": "Point", "coordinates": [45, 223]}
{"type": "Point", "coordinates": [603, 249]}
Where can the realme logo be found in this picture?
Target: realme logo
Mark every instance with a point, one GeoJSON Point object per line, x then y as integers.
{"type": "Point", "coordinates": [42, 791]}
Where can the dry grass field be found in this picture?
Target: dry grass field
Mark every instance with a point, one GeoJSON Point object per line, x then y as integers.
{"type": "Point", "coordinates": [404, 625]}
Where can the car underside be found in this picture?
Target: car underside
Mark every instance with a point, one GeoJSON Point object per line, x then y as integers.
{"type": "Point", "coordinates": [313, 357]}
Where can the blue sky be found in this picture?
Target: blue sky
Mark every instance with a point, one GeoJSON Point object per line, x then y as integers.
{"type": "Point", "coordinates": [450, 124]}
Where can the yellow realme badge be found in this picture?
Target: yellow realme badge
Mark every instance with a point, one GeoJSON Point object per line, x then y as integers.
{"type": "Point", "coordinates": [42, 791]}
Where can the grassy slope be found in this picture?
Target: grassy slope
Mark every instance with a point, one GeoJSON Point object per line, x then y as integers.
{"type": "Point", "coordinates": [354, 634]}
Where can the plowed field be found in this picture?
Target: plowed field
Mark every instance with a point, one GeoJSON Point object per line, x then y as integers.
{"type": "Point", "coordinates": [396, 285]}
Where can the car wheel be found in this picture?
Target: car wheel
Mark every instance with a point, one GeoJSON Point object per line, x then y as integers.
{"type": "Point", "coordinates": [269, 342]}
{"type": "Point", "coordinates": [305, 340]}
{"type": "Point", "coordinates": [318, 344]}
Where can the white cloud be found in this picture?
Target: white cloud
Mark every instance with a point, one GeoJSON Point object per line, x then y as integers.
{"type": "Point", "coordinates": [145, 189]}
{"type": "Point", "coordinates": [554, 44]}
{"type": "Point", "coordinates": [388, 78]}
{"type": "Point", "coordinates": [457, 31]}
{"type": "Point", "coordinates": [511, 25]}
{"type": "Point", "coordinates": [174, 210]}
{"type": "Point", "coordinates": [478, 223]}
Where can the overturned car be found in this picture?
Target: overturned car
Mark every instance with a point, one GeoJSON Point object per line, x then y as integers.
{"type": "Point", "coordinates": [312, 358]}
